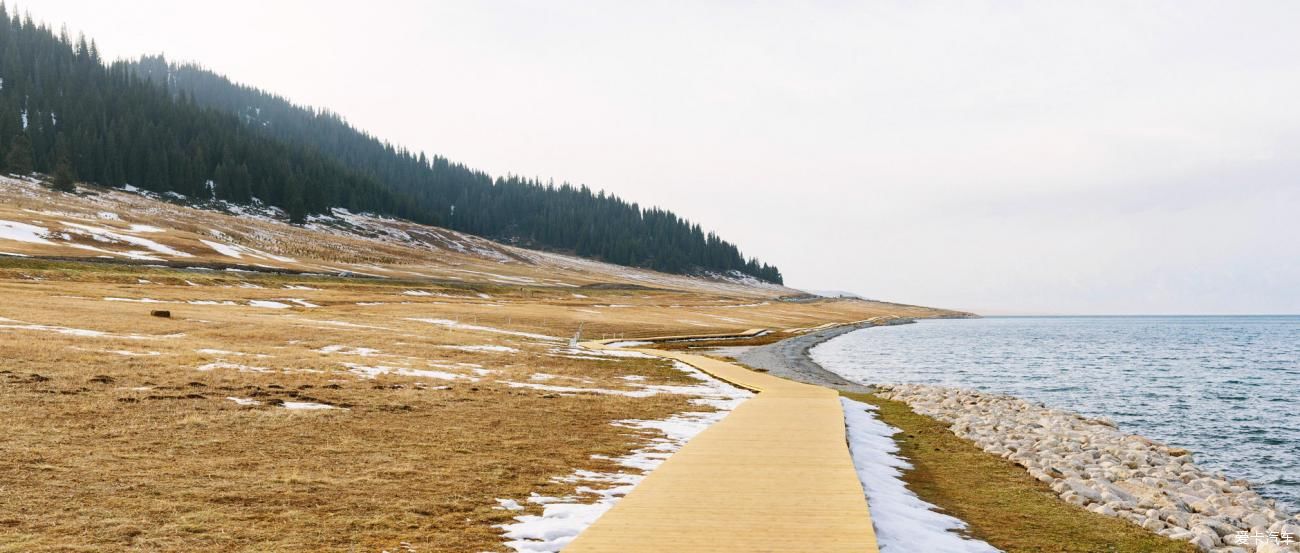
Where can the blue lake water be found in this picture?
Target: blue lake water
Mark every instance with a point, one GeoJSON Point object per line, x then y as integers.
{"type": "Point", "coordinates": [1228, 388]}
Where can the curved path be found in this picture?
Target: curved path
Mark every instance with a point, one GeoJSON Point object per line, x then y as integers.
{"type": "Point", "coordinates": [774, 475]}
{"type": "Point", "coordinates": [789, 358]}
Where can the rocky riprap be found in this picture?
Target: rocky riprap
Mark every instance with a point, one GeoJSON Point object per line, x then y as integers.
{"type": "Point", "coordinates": [1090, 463]}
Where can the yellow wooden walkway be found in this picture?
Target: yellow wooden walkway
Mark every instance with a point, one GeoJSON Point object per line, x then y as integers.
{"type": "Point", "coordinates": [774, 475]}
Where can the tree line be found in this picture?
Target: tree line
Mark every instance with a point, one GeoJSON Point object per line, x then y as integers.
{"type": "Point", "coordinates": [179, 128]}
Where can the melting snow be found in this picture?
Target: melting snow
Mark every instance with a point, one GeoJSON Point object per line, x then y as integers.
{"type": "Point", "coordinates": [236, 366]}
{"type": "Point", "coordinates": [79, 331]}
{"type": "Point", "coordinates": [268, 304]}
{"type": "Point", "coordinates": [224, 249]}
{"type": "Point", "coordinates": [345, 350]}
{"type": "Point", "coordinates": [23, 232]}
{"type": "Point", "coordinates": [207, 351]}
{"type": "Point", "coordinates": [903, 521]}
{"type": "Point", "coordinates": [706, 388]}
{"type": "Point", "coordinates": [126, 353]}
{"type": "Point", "coordinates": [563, 518]}
{"type": "Point", "coordinates": [244, 400]}
{"type": "Point", "coordinates": [373, 371]}
{"type": "Point", "coordinates": [238, 252]}
{"type": "Point", "coordinates": [456, 324]}
{"type": "Point", "coordinates": [306, 405]}
{"type": "Point", "coordinates": [508, 505]}
{"type": "Point", "coordinates": [345, 324]}
{"type": "Point", "coordinates": [105, 235]}
{"type": "Point", "coordinates": [497, 349]}
{"type": "Point", "coordinates": [47, 328]}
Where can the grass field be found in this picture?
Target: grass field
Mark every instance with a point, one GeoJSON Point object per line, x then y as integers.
{"type": "Point", "coordinates": [124, 430]}
{"type": "Point", "coordinates": [356, 384]}
{"type": "Point", "coordinates": [1002, 504]}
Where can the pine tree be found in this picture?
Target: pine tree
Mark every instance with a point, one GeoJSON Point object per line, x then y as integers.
{"type": "Point", "coordinates": [19, 160]}
{"type": "Point", "coordinates": [64, 179]}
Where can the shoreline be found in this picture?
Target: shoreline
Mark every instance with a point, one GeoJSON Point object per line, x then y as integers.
{"type": "Point", "coordinates": [1087, 462]}
{"type": "Point", "coordinates": [789, 358]}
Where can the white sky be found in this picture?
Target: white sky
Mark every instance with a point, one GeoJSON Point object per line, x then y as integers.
{"type": "Point", "coordinates": [1009, 157]}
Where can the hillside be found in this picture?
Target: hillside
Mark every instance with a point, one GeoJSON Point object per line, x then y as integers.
{"type": "Point", "coordinates": [511, 209]}
{"type": "Point", "coordinates": [143, 228]}
{"type": "Point", "coordinates": [179, 129]}
{"type": "Point", "coordinates": [355, 383]}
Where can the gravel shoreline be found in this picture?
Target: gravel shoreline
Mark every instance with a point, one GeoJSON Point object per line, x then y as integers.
{"type": "Point", "coordinates": [789, 358]}
{"type": "Point", "coordinates": [1088, 462]}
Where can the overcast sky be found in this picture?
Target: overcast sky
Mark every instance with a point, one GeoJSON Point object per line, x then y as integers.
{"type": "Point", "coordinates": [1009, 157]}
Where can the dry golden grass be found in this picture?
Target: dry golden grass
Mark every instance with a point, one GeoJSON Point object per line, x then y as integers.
{"type": "Point", "coordinates": [118, 441]}
{"type": "Point", "coordinates": [117, 431]}
{"type": "Point", "coordinates": [1000, 502]}
{"type": "Point", "coordinates": [361, 245]}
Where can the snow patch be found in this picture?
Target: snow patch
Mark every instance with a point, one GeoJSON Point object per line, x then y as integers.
{"type": "Point", "coordinates": [219, 352]}
{"type": "Point", "coordinates": [236, 366]}
{"type": "Point", "coordinates": [508, 505]}
{"type": "Point", "coordinates": [126, 353]}
{"type": "Point", "coordinates": [101, 234]}
{"type": "Point", "coordinates": [563, 518]}
{"type": "Point", "coordinates": [495, 349]}
{"type": "Point", "coordinates": [268, 304]}
{"type": "Point", "coordinates": [346, 324]}
{"type": "Point", "coordinates": [420, 293]}
{"type": "Point", "coordinates": [376, 370]}
{"type": "Point", "coordinates": [239, 251]}
{"type": "Point", "coordinates": [23, 232]}
{"type": "Point", "coordinates": [456, 324]}
{"type": "Point", "coordinates": [134, 300]}
{"type": "Point", "coordinates": [903, 521]}
{"type": "Point", "coordinates": [346, 350]}
{"type": "Point", "coordinates": [306, 406]}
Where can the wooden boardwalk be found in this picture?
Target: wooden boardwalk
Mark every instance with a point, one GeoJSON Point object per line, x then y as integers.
{"type": "Point", "coordinates": [774, 475]}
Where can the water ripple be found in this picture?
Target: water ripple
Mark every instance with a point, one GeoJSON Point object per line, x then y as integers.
{"type": "Point", "coordinates": [1225, 387]}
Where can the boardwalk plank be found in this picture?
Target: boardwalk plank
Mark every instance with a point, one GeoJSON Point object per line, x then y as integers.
{"type": "Point", "coordinates": [774, 475]}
